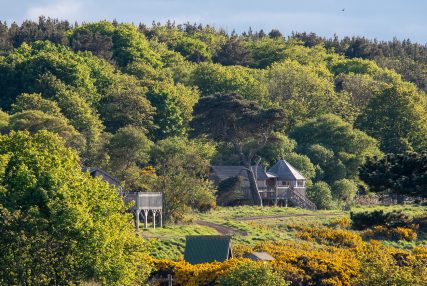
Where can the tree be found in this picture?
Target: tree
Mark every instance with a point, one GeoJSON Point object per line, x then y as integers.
{"type": "Point", "coordinates": [397, 118]}
{"type": "Point", "coordinates": [182, 167]}
{"type": "Point", "coordinates": [68, 227]}
{"type": "Point", "coordinates": [402, 174]}
{"type": "Point", "coordinates": [125, 104]}
{"type": "Point", "coordinates": [320, 194]}
{"type": "Point", "coordinates": [129, 147]}
{"type": "Point", "coordinates": [35, 120]}
{"type": "Point", "coordinates": [344, 190]}
{"type": "Point", "coordinates": [231, 118]}
{"type": "Point", "coordinates": [174, 107]}
{"type": "Point", "coordinates": [301, 90]}
{"type": "Point", "coordinates": [333, 144]}
{"type": "Point", "coordinates": [35, 101]}
{"type": "Point", "coordinates": [214, 78]}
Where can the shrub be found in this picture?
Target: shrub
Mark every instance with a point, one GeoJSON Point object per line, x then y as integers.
{"type": "Point", "coordinates": [343, 222]}
{"type": "Point", "coordinates": [384, 266]}
{"type": "Point", "coordinates": [364, 220]}
{"type": "Point", "coordinates": [333, 237]}
{"type": "Point", "coordinates": [303, 264]}
{"type": "Point", "coordinates": [389, 233]}
{"type": "Point", "coordinates": [320, 194]}
{"type": "Point", "coordinates": [344, 190]}
{"type": "Point", "coordinates": [252, 274]}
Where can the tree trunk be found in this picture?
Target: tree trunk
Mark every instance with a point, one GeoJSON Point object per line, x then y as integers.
{"type": "Point", "coordinates": [256, 197]}
{"type": "Point", "coordinates": [253, 187]}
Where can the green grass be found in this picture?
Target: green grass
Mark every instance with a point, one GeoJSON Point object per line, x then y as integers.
{"type": "Point", "coordinates": [169, 242]}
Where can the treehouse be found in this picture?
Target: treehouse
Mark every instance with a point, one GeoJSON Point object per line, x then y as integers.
{"type": "Point", "coordinates": [281, 184]}
{"type": "Point", "coordinates": [141, 203]}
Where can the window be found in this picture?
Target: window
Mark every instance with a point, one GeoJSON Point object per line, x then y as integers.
{"type": "Point", "coordinates": [286, 183]}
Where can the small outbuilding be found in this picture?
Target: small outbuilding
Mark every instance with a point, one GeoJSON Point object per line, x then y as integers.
{"type": "Point", "coordinates": [259, 256]}
{"type": "Point", "coordinates": [207, 248]}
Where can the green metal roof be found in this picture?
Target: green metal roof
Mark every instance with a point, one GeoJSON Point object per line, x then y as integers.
{"type": "Point", "coordinates": [207, 248]}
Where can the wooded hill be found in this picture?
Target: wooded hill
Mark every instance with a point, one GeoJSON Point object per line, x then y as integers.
{"type": "Point", "coordinates": [123, 97]}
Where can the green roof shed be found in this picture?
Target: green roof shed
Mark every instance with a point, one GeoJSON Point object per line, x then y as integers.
{"type": "Point", "coordinates": [207, 248]}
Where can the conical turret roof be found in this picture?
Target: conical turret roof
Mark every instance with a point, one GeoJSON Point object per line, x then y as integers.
{"type": "Point", "coordinates": [285, 171]}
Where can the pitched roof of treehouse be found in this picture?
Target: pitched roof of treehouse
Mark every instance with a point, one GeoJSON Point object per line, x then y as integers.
{"type": "Point", "coordinates": [225, 172]}
{"type": "Point", "coordinates": [95, 172]}
{"type": "Point", "coordinates": [285, 171]}
{"type": "Point", "coordinates": [207, 248]}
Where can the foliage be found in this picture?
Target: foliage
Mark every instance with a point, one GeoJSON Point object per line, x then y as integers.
{"type": "Point", "coordinates": [397, 118]}
{"type": "Point", "coordinates": [182, 167]}
{"type": "Point", "coordinates": [252, 273]}
{"type": "Point", "coordinates": [128, 148]}
{"type": "Point", "coordinates": [364, 220]}
{"type": "Point", "coordinates": [344, 190]}
{"type": "Point", "coordinates": [214, 78]}
{"type": "Point", "coordinates": [320, 194]}
{"type": "Point", "coordinates": [174, 107]}
{"type": "Point", "coordinates": [332, 237]}
{"type": "Point", "coordinates": [304, 91]}
{"type": "Point", "coordinates": [68, 227]}
{"type": "Point", "coordinates": [125, 104]}
{"type": "Point", "coordinates": [404, 174]}
{"type": "Point", "coordinates": [335, 146]}
{"type": "Point", "coordinates": [230, 118]}
{"type": "Point", "coordinates": [390, 233]}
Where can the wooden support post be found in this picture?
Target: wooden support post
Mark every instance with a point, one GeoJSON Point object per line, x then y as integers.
{"type": "Point", "coordinates": [161, 218]}
{"type": "Point", "coordinates": [137, 211]}
{"type": "Point", "coordinates": [145, 219]}
{"type": "Point", "coordinates": [154, 218]}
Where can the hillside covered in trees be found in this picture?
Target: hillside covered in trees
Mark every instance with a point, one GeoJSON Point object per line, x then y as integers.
{"type": "Point", "coordinates": [155, 105]}
{"type": "Point", "coordinates": [121, 95]}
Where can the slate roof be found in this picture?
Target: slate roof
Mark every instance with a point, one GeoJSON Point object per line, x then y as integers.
{"type": "Point", "coordinates": [259, 256]}
{"type": "Point", "coordinates": [207, 248]}
{"type": "Point", "coordinates": [285, 171]}
{"type": "Point", "coordinates": [95, 172]}
{"type": "Point", "coordinates": [225, 172]}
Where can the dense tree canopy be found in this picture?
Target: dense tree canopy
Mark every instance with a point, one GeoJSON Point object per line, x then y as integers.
{"type": "Point", "coordinates": [68, 227]}
{"type": "Point", "coordinates": [404, 174]}
{"type": "Point", "coordinates": [156, 105]}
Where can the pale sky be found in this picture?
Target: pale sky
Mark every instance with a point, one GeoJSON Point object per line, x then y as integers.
{"type": "Point", "coordinates": [381, 19]}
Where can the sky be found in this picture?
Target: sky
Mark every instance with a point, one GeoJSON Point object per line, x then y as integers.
{"type": "Point", "coordinates": [380, 19]}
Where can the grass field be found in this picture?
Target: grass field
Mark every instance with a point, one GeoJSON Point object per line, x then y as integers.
{"type": "Point", "coordinates": [253, 225]}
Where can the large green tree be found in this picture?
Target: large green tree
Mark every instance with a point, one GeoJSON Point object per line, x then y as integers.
{"type": "Point", "coordinates": [334, 146]}
{"type": "Point", "coordinates": [397, 117]}
{"type": "Point", "coordinates": [404, 174]}
{"type": "Point", "coordinates": [59, 226]}
{"type": "Point", "coordinates": [242, 123]}
{"type": "Point", "coordinates": [182, 167]}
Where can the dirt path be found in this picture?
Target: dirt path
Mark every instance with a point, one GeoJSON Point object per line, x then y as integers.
{"type": "Point", "coordinates": [222, 229]}
{"type": "Point", "coordinates": [284, 216]}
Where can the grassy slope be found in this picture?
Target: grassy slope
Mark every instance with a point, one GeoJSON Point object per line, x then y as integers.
{"type": "Point", "coordinates": [169, 241]}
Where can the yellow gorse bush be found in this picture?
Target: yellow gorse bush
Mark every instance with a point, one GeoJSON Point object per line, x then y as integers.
{"type": "Point", "coordinates": [327, 257]}
{"type": "Point", "coordinates": [395, 233]}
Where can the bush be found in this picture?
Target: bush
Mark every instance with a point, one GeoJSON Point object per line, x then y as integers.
{"type": "Point", "coordinates": [320, 194]}
{"type": "Point", "coordinates": [252, 274]}
{"type": "Point", "coordinates": [389, 233]}
{"type": "Point", "coordinates": [332, 237]}
{"type": "Point", "coordinates": [364, 220]}
{"type": "Point", "coordinates": [344, 190]}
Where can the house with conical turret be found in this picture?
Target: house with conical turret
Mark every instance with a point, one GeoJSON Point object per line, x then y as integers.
{"type": "Point", "coordinates": [282, 184]}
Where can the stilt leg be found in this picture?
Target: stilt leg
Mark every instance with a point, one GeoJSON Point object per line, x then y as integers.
{"type": "Point", "coordinates": [145, 219]}
{"type": "Point", "coordinates": [137, 219]}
